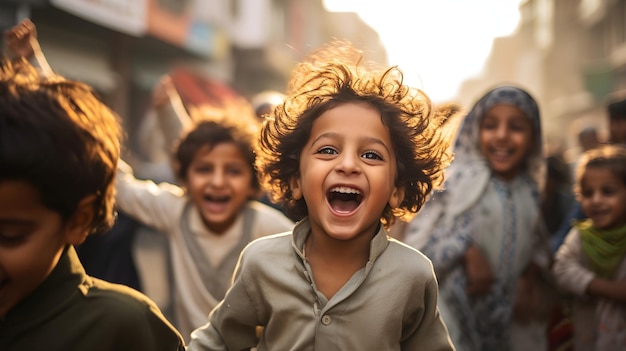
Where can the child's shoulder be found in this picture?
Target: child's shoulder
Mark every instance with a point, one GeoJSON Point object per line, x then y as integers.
{"type": "Point", "coordinates": [273, 244]}
{"type": "Point", "coordinates": [116, 301]}
{"type": "Point", "coordinates": [95, 319]}
{"type": "Point", "coordinates": [103, 316]}
{"type": "Point", "coordinates": [269, 219]}
{"type": "Point", "coordinates": [268, 248]}
{"type": "Point", "coordinates": [407, 259]}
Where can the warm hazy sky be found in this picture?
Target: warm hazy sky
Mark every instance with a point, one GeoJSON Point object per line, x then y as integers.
{"type": "Point", "coordinates": [436, 43]}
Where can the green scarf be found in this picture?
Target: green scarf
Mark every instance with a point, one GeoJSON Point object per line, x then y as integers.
{"type": "Point", "coordinates": [605, 249]}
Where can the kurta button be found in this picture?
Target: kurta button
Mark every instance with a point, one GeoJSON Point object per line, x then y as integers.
{"type": "Point", "coordinates": [326, 319]}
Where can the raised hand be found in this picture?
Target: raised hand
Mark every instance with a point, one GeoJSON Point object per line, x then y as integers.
{"type": "Point", "coordinates": [21, 42]}
{"type": "Point", "coordinates": [21, 39]}
{"type": "Point", "coordinates": [163, 92]}
{"type": "Point", "coordinates": [479, 272]}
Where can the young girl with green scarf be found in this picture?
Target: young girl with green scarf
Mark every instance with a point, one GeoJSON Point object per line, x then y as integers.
{"type": "Point", "coordinates": [590, 264]}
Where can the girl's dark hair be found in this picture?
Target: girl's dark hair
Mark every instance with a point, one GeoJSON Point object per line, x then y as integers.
{"type": "Point", "coordinates": [213, 126]}
{"type": "Point", "coordinates": [56, 135]}
{"type": "Point", "coordinates": [336, 75]}
{"type": "Point", "coordinates": [611, 157]}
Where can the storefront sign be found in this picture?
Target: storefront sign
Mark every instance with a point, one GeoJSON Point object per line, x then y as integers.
{"type": "Point", "coordinates": [126, 16]}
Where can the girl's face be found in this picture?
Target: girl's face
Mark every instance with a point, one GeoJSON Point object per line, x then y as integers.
{"type": "Point", "coordinates": [348, 172]}
{"type": "Point", "coordinates": [219, 182]}
{"type": "Point", "coordinates": [603, 198]}
{"type": "Point", "coordinates": [506, 139]}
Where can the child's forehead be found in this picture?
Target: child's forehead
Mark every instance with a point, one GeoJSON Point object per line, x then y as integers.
{"type": "Point", "coordinates": [505, 110]}
{"type": "Point", "coordinates": [18, 195]}
{"type": "Point", "coordinates": [600, 174]}
{"type": "Point", "coordinates": [348, 118]}
{"type": "Point", "coordinates": [228, 149]}
{"type": "Point", "coordinates": [351, 122]}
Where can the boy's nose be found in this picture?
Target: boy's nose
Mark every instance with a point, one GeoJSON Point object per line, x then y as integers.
{"type": "Point", "coordinates": [349, 163]}
{"type": "Point", "coordinates": [218, 178]}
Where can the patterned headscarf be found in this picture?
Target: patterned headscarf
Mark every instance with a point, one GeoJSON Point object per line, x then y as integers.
{"type": "Point", "coordinates": [469, 173]}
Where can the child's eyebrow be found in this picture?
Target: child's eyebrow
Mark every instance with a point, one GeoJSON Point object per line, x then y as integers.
{"type": "Point", "coordinates": [329, 135]}
{"type": "Point", "coordinates": [371, 140]}
{"type": "Point", "coordinates": [15, 221]}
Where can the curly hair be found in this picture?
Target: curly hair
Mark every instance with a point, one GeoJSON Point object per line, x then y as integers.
{"type": "Point", "coordinates": [212, 126]}
{"type": "Point", "coordinates": [336, 75]}
{"type": "Point", "coordinates": [58, 136]}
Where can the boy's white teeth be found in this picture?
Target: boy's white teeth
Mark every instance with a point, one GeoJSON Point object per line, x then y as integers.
{"type": "Point", "coordinates": [345, 190]}
{"type": "Point", "coordinates": [500, 152]}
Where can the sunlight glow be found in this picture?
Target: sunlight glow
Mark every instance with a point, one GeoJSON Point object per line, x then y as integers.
{"type": "Point", "coordinates": [436, 43]}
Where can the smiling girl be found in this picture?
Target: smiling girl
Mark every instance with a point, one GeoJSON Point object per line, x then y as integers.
{"type": "Point", "coordinates": [590, 264]}
{"type": "Point", "coordinates": [481, 231]}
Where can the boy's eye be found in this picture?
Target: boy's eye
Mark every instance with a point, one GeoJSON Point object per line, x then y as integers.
{"type": "Point", "coordinates": [203, 169]}
{"type": "Point", "coordinates": [234, 171]}
{"type": "Point", "coordinates": [327, 150]}
{"type": "Point", "coordinates": [12, 237]}
{"type": "Point", "coordinates": [372, 155]}
{"type": "Point", "coordinates": [608, 191]}
{"type": "Point", "coordinates": [11, 241]}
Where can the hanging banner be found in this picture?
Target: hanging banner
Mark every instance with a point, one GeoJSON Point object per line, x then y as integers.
{"type": "Point", "coordinates": [185, 23]}
{"type": "Point", "coordinates": [125, 16]}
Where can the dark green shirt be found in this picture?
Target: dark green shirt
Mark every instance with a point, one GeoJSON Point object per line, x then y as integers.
{"type": "Point", "coordinates": [73, 311]}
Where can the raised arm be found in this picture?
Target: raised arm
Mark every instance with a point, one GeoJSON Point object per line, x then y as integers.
{"type": "Point", "coordinates": [161, 127]}
{"type": "Point", "coordinates": [172, 116]}
{"type": "Point", "coordinates": [572, 274]}
{"type": "Point", "coordinates": [609, 289]}
{"type": "Point", "coordinates": [569, 269]}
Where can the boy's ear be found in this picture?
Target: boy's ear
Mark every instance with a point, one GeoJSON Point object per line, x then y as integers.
{"type": "Point", "coordinates": [396, 197]}
{"type": "Point", "coordinates": [176, 170]}
{"type": "Point", "coordinates": [296, 190]}
{"type": "Point", "coordinates": [79, 224]}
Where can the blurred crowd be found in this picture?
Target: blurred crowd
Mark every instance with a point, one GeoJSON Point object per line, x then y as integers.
{"type": "Point", "coordinates": [527, 242]}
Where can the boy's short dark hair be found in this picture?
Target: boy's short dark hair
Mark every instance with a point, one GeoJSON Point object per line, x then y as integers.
{"type": "Point", "coordinates": [59, 137]}
{"type": "Point", "coordinates": [611, 157]}
{"type": "Point", "coordinates": [617, 108]}
{"type": "Point", "coordinates": [213, 126]}
{"type": "Point", "coordinates": [335, 75]}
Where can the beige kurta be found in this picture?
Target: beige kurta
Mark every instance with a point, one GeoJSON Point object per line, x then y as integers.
{"type": "Point", "coordinates": [390, 304]}
{"type": "Point", "coordinates": [162, 207]}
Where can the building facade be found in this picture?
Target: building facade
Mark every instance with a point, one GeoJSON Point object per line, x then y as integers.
{"type": "Point", "coordinates": [570, 54]}
{"type": "Point", "coordinates": [122, 48]}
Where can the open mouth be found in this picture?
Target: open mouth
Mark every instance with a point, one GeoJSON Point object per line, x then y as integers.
{"type": "Point", "coordinates": [217, 199]}
{"type": "Point", "coordinates": [216, 204]}
{"type": "Point", "coordinates": [344, 199]}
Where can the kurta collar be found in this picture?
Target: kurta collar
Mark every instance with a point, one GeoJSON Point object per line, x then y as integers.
{"type": "Point", "coordinates": [302, 229]}
{"type": "Point", "coordinates": [197, 226]}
